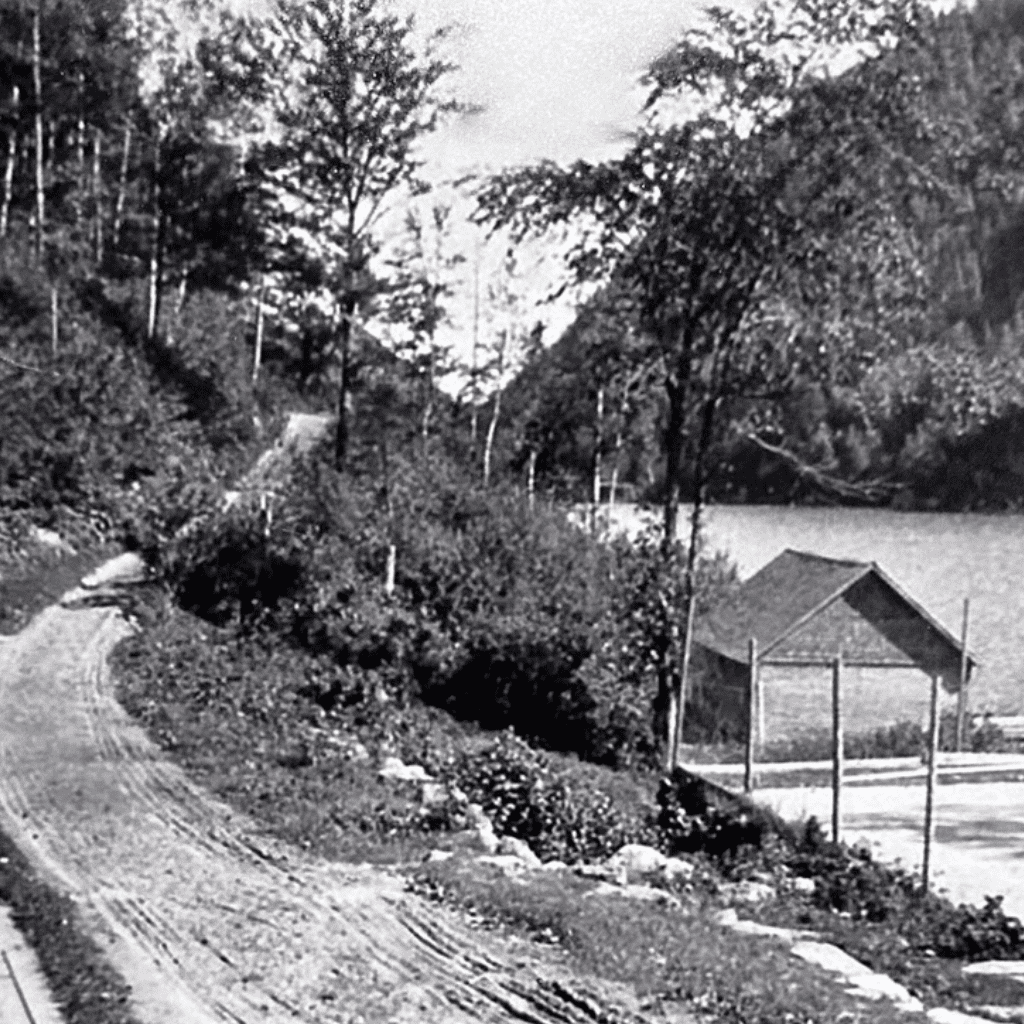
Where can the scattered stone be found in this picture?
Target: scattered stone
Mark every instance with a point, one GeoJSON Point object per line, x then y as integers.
{"type": "Point", "coordinates": [1002, 1014]}
{"type": "Point", "coordinates": [357, 752]}
{"type": "Point", "coordinates": [393, 768]}
{"type": "Point", "coordinates": [1000, 968]}
{"type": "Point", "coordinates": [862, 981]}
{"type": "Point", "coordinates": [635, 859]}
{"type": "Point", "coordinates": [434, 794]}
{"type": "Point", "coordinates": [940, 1015]}
{"type": "Point", "coordinates": [506, 863]}
{"type": "Point", "coordinates": [481, 825]}
{"type": "Point", "coordinates": [646, 893]}
{"type": "Point", "coordinates": [674, 868]}
{"type": "Point", "coordinates": [51, 539]}
{"type": "Point", "coordinates": [731, 920]}
{"type": "Point", "coordinates": [123, 570]}
{"type": "Point", "coordinates": [510, 846]}
{"type": "Point", "coordinates": [747, 892]}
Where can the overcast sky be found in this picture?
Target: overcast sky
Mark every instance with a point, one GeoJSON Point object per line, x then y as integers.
{"type": "Point", "coordinates": [556, 78]}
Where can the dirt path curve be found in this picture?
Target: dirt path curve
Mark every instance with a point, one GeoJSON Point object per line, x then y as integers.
{"type": "Point", "coordinates": [208, 920]}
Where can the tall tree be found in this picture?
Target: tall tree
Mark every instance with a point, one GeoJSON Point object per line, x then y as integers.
{"type": "Point", "coordinates": [354, 96]}
{"type": "Point", "coordinates": [723, 224]}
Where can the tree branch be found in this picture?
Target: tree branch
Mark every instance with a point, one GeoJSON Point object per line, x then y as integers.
{"type": "Point", "coordinates": [867, 490]}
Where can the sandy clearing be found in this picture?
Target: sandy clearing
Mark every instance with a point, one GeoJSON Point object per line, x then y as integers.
{"type": "Point", "coordinates": [208, 919]}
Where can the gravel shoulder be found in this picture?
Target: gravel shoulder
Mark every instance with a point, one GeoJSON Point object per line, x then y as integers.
{"type": "Point", "coordinates": [207, 918]}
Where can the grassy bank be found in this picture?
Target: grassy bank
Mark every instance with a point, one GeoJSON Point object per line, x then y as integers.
{"type": "Point", "coordinates": [247, 718]}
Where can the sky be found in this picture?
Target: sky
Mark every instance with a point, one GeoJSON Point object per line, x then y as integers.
{"type": "Point", "coordinates": [556, 78]}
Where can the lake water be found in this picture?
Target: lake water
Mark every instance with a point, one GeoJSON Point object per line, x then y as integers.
{"type": "Point", "coordinates": [938, 558]}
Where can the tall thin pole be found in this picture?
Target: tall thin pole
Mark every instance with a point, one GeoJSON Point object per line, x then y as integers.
{"type": "Point", "coordinates": [748, 768]}
{"type": "Point", "coordinates": [929, 799]}
{"type": "Point", "coordinates": [965, 669]}
{"type": "Point", "coordinates": [684, 676]}
{"type": "Point", "coordinates": [838, 753]}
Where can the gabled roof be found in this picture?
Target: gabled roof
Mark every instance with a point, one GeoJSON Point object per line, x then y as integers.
{"type": "Point", "coordinates": [785, 594]}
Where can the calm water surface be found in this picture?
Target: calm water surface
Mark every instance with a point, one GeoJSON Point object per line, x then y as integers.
{"type": "Point", "coordinates": [938, 558]}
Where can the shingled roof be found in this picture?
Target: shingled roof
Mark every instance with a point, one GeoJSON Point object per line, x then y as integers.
{"type": "Point", "coordinates": [788, 592]}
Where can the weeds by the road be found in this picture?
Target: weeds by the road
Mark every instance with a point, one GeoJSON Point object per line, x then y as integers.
{"type": "Point", "coordinates": [668, 954]}
{"type": "Point", "coordinates": [39, 578]}
{"type": "Point", "coordinates": [84, 985]}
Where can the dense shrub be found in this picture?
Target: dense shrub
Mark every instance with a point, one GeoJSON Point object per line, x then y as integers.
{"type": "Point", "coordinates": [499, 615]}
{"type": "Point", "coordinates": [526, 797]}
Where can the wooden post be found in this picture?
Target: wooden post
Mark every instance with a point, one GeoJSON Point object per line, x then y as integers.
{"type": "Point", "coordinates": [837, 748]}
{"type": "Point", "coordinates": [929, 799]}
{"type": "Point", "coordinates": [748, 770]}
{"type": "Point", "coordinates": [684, 683]}
{"type": "Point", "coordinates": [965, 668]}
{"type": "Point", "coordinates": [670, 735]}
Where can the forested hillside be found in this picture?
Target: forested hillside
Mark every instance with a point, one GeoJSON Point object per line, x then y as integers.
{"type": "Point", "coordinates": [808, 290]}
{"type": "Point", "coordinates": [931, 418]}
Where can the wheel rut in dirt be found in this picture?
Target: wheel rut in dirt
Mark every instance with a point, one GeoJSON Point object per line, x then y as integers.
{"type": "Point", "coordinates": [208, 919]}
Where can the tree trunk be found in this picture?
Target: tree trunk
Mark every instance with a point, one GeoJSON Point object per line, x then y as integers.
{"type": "Point", "coordinates": [492, 428]}
{"type": "Point", "coordinates": [179, 305]}
{"type": "Point", "coordinates": [97, 195]}
{"type": "Point", "coordinates": [428, 405]}
{"type": "Point", "coordinates": [54, 318]}
{"type": "Point", "coordinates": [12, 159]}
{"type": "Point", "coordinates": [37, 86]}
{"type": "Point", "coordinates": [79, 169]}
{"type": "Point", "coordinates": [531, 478]}
{"type": "Point", "coordinates": [122, 185]}
{"type": "Point", "coordinates": [156, 255]}
{"type": "Point", "coordinates": [341, 435]}
{"type": "Point", "coordinates": [257, 356]}
{"type": "Point", "coordinates": [674, 443]}
{"type": "Point", "coordinates": [598, 435]}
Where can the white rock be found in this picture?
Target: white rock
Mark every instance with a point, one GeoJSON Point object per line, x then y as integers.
{"type": "Point", "coordinates": [637, 859]}
{"type": "Point", "coordinates": [438, 856]}
{"type": "Point", "coordinates": [804, 885]}
{"type": "Point", "coordinates": [510, 846]}
{"type": "Point", "coordinates": [51, 539]}
{"type": "Point", "coordinates": [1003, 968]}
{"type": "Point", "coordinates": [434, 794]}
{"type": "Point", "coordinates": [943, 1016]}
{"type": "Point", "coordinates": [394, 769]}
{"type": "Point", "coordinates": [507, 863]}
{"type": "Point", "coordinates": [747, 892]}
{"type": "Point", "coordinates": [481, 825]}
{"type": "Point", "coordinates": [674, 867]}
{"type": "Point", "coordinates": [124, 569]}
{"type": "Point", "coordinates": [646, 893]}
{"type": "Point", "coordinates": [554, 865]}
{"type": "Point", "coordinates": [862, 980]}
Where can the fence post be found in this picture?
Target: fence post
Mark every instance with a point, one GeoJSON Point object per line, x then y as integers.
{"type": "Point", "coordinates": [929, 799]}
{"type": "Point", "coordinates": [838, 753]}
{"type": "Point", "coordinates": [748, 770]}
{"type": "Point", "coordinates": [965, 667]}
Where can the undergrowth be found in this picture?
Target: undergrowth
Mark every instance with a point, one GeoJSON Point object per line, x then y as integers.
{"type": "Point", "coordinates": [668, 954]}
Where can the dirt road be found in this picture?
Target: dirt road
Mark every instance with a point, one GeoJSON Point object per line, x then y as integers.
{"type": "Point", "coordinates": [207, 919]}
